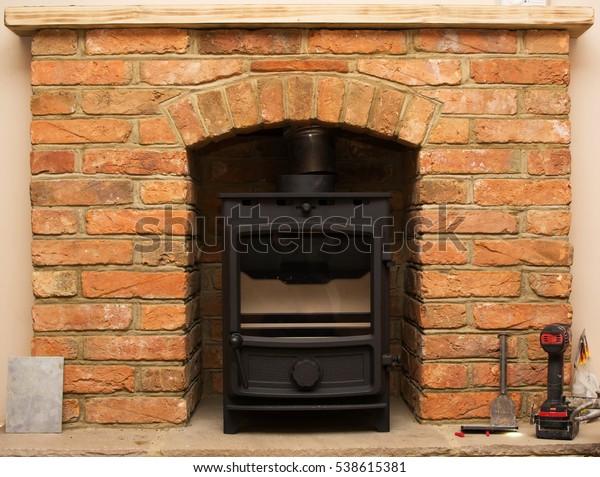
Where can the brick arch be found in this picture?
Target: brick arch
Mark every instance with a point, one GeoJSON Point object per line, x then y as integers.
{"type": "Point", "coordinates": [255, 102]}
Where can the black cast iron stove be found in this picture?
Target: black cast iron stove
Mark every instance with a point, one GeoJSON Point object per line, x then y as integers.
{"type": "Point", "coordinates": [305, 294]}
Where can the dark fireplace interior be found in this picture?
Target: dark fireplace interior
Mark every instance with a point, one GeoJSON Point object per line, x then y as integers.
{"type": "Point", "coordinates": [251, 169]}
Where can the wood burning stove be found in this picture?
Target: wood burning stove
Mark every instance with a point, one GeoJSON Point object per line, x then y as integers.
{"type": "Point", "coordinates": [305, 300]}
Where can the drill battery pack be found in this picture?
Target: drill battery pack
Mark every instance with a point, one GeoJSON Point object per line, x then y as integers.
{"type": "Point", "coordinates": [556, 424]}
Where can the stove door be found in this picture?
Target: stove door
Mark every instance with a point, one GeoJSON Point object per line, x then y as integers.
{"type": "Point", "coordinates": [308, 315]}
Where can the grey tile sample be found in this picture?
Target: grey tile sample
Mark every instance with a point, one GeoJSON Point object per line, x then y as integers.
{"type": "Point", "coordinates": [35, 391]}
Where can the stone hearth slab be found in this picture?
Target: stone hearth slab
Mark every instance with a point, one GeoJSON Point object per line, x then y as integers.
{"type": "Point", "coordinates": [204, 437]}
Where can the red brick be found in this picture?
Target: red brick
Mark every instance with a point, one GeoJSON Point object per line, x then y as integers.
{"type": "Point", "coordinates": [520, 316]}
{"type": "Point", "coordinates": [212, 356]}
{"type": "Point", "coordinates": [330, 100]}
{"type": "Point", "coordinates": [188, 72]}
{"type": "Point", "coordinates": [387, 108]}
{"type": "Point", "coordinates": [416, 120]}
{"type": "Point", "coordinates": [437, 315]}
{"type": "Point", "coordinates": [522, 252]}
{"type": "Point", "coordinates": [214, 330]}
{"type": "Point", "coordinates": [139, 221]}
{"type": "Point", "coordinates": [156, 131]}
{"type": "Point", "coordinates": [546, 41]}
{"type": "Point", "coordinates": [80, 72]}
{"type": "Point", "coordinates": [165, 192]}
{"type": "Point", "coordinates": [125, 284]}
{"type": "Point", "coordinates": [249, 42]}
{"type": "Point", "coordinates": [520, 71]}
{"type": "Point", "coordinates": [194, 334]}
{"type": "Point", "coordinates": [518, 374]}
{"type": "Point", "coordinates": [54, 42]}
{"type": "Point", "coordinates": [549, 222]}
{"type": "Point", "coordinates": [216, 279]}
{"type": "Point", "coordinates": [135, 348]}
{"type": "Point", "coordinates": [134, 161]}
{"type": "Point", "coordinates": [526, 374]}
{"type": "Point", "coordinates": [439, 252]}
{"type": "Point", "coordinates": [70, 317]}
{"type": "Point", "coordinates": [441, 191]}
{"type": "Point", "coordinates": [214, 112]}
{"type": "Point", "coordinates": [136, 410]}
{"type": "Point", "coordinates": [412, 338]}
{"type": "Point", "coordinates": [443, 376]}
{"type": "Point", "coordinates": [453, 405]}
{"type": "Point", "coordinates": [467, 283]}
{"type": "Point", "coordinates": [66, 347]}
{"type": "Point", "coordinates": [71, 410]}
{"type": "Point", "coordinates": [549, 162]}
{"type": "Point", "coordinates": [413, 72]}
{"type": "Point", "coordinates": [81, 252]}
{"type": "Point", "coordinates": [522, 192]}
{"type": "Point", "coordinates": [450, 131]}
{"type": "Point", "coordinates": [179, 253]}
{"type": "Point", "coordinates": [53, 222]}
{"type": "Point", "coordinates": [215, 382]}
{"type": "Point", "coordinates": [243, 106]}
{"type": "Point", "coordinates": [270, 99]}
{"type": "Point", "coordinates": [52, 102]}
{"type": "Point", "coordinates": [80, 131]}
{"type": "Point", "coordinates": [81, 192]}
{"type": "Point", "coordinates": [464, 345]}
{"type": "Point", "coordinates": [469, 161]}
{"type": "Point", "coordinates": [98, 379]}
{"type": "Point", "coordinates": [266, 66]}
{"type": "Point", "coordinates": [522, 131]}
{"type": "Point", "coordinates": [359, 98]}
{"type": "Point", "coordinates": [300, 94]}
{"type": "Point", "coordinates": [163, 317]}
{"type": "Point", "coordinates": [132, 102]}
{"type": "Point", "coordinates": [52, 162]}
{"type": "Point", "coordinates": [541, 101]}
{"type": "Point", "coordinates": [465, 221]}
{"type": "Point", "coordinates": [390, 42]}
{"type": "Point", "coordinates": [211, 304]}
{"type": "Point", "coordinates": [476, 101]}
{"type": "Point", "coordinates": [160, 379]}
{"type": "Point", "coordinates": [465, 41]}
{"type": "Point", "coordinates": [553, 285]}
{"type": "Point", "coordinates": [187, 121]}
{"type": "Point", "coordinates": [121, 41]}
{"type": "Point", "coordinates": [48, 284]}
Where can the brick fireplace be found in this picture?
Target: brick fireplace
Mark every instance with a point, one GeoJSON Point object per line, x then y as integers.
{"type": "Point", "coordinates": [136, 130]}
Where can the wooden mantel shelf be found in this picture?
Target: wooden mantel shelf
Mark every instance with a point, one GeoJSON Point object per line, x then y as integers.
{"type": "Point", "coordinates": [27, 20]}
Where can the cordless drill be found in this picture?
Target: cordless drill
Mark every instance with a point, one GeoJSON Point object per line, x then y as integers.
{"type": "Point", "coordinates": [553, 420]}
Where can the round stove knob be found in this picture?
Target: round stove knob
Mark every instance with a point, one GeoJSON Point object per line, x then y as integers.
{"type": "Point", "coordinates": [306, 208]}
{"type": "Point", "coordinates": [306, 373]}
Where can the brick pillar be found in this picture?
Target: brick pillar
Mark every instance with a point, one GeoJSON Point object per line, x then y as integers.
{"type": "Point", "coordinates": [491, 208]}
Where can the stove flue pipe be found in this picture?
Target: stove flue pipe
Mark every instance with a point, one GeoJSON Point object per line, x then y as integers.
{"type": "Point", "coordinates": [311, 151]}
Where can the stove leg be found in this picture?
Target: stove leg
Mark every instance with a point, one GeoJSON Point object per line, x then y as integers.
{"type": "Point", "coordinates": [231, 421]}
{"type": "Point", "coordinates": [382, 420]}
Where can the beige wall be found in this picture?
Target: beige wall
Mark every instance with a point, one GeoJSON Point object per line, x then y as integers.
{"type": "Point", "coordinates": [15, 271]}
{"type": "Point", "coordinates": [585, 230]}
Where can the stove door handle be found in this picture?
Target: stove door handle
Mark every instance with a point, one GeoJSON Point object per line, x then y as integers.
{"type": "Point", "coordinates": [236, 341]}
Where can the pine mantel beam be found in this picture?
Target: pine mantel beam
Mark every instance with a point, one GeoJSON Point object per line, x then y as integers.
{"type": "Point", "coordinates": [25, 21]}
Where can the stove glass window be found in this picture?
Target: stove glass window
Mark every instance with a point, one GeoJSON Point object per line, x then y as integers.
{"type": "Point", "coordinates": [305, 283]}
